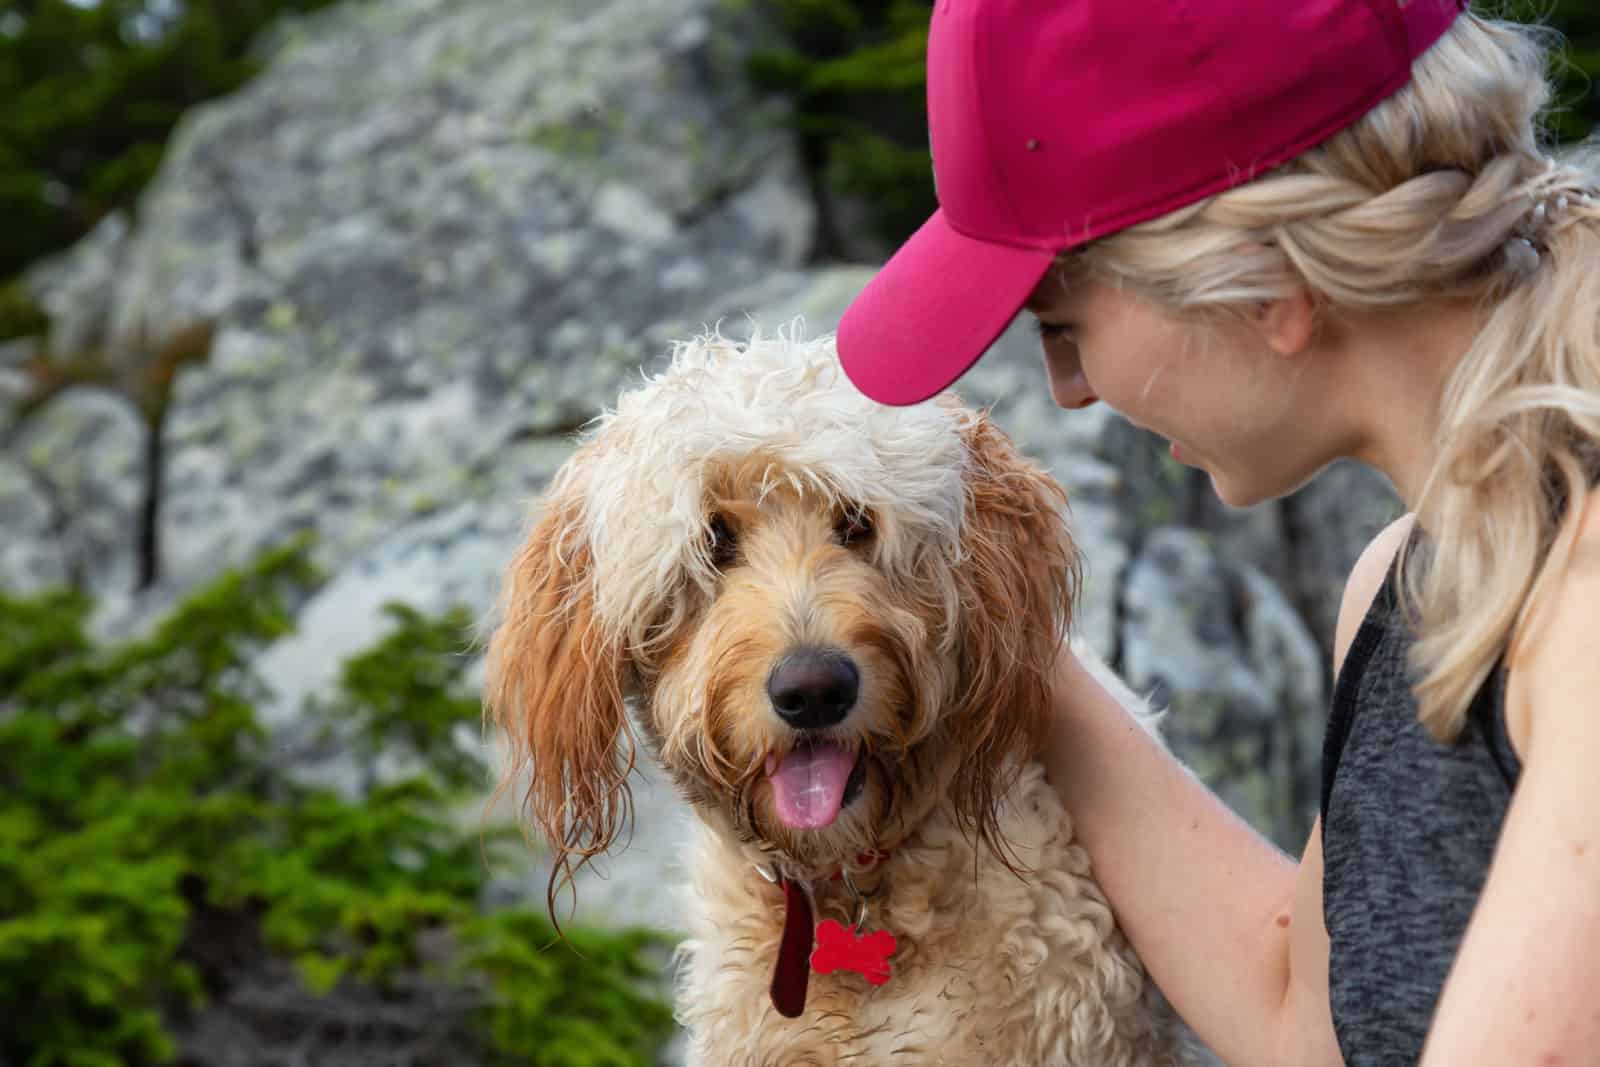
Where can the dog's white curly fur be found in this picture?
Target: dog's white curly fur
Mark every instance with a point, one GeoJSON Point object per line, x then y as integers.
{"type": "Point", "coordinates": [782, 397]}
{"type": "Point", "coordinates": [618, 595]}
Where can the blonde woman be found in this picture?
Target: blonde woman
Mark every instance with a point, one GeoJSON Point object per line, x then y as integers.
{"type": "Point", "coordinates": [1280, 232]}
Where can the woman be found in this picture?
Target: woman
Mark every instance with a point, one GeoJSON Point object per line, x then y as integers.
{"type": "Point", "coordinates": [1280, 234]}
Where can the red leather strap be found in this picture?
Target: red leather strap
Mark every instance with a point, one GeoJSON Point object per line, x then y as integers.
{"type": "Point", "coordinates": [793, 970]}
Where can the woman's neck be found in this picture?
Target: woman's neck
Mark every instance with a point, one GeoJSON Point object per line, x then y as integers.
{"type": "Point", "coordinates": [1398, 366]}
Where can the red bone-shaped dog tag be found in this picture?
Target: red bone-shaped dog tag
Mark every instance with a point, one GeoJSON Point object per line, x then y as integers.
{"type": "Point", "coordinates": [840, 948]}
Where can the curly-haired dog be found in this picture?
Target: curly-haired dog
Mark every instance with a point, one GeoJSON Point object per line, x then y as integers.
{"type": "Point", "coordinates": [834, 622]}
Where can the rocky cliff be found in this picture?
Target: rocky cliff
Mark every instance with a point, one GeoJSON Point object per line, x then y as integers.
{"type": "Point", "coordinates": [435, 237]}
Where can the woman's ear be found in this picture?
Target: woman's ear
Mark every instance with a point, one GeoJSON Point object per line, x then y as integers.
{"type": "Point", "coordinates": [1288, 323]}
{"type": "Point", "coordinates": [555, 690]}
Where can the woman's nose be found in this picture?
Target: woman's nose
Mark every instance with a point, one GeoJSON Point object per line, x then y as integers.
{"type": "Point", "coordinates": [1068, 386]}
{"type": "Point", "coordinates": [1071, 391]}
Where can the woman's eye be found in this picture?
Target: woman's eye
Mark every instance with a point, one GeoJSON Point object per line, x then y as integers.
{"type": "Point", "coordinates": [723, 547]}
{"type": "Point", "coordinates": [1053, 331]}
{"type": "Point", "coordinates": [853, 526]}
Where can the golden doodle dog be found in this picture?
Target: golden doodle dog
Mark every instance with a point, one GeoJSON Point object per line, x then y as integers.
{"type": "Point", "coordinates": [832, 624]}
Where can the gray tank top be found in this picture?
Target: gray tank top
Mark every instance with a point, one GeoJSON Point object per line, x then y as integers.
{"type": "Point", "coordinates": [1408, 829]}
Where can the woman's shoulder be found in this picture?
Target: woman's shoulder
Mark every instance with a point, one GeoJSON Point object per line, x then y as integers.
{"type": "Point", "coordinates": [1366, 578]}
{"type": "Point", "coordinates": [1566, 592]}
{"type": "Point", "coordinates": [1553, 667]}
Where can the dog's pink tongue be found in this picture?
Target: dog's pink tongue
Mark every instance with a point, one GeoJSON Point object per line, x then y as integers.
{"type": "Point", "coordinates": [809, 784]}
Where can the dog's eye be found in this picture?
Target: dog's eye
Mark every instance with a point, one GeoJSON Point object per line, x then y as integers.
{"type": "Point", "coordinates": [853, 526]}
{"type": "Point", "coordinates": [724, 542]}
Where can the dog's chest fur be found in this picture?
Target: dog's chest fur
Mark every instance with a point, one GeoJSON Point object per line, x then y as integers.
{"type": "Point", "coordinates": [991, 968]}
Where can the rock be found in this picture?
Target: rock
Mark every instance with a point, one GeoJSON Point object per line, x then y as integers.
{"type": "Point", "coordinates": [1326, 525]}
{"type": "Point", "coordinates": [428, 232]}
{"type": "Point", "coordinates": [1217, 644]}
{"type": "Point", "coordinates": [436, 238]}
{"type": "Point", "coordinates": [76, 287]}
{"type": "Point", "coordinates": [70, 494]}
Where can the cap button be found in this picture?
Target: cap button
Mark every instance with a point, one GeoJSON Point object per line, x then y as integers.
{"type": "Point", "coordinates": [1033, 144]}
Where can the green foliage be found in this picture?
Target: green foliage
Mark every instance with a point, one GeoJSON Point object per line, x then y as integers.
{"type": "Point", "coordinates": [855, 71]}
{"type": "Point", "coordinates": [92, 92]}
{"type": "Point", "coordinates": [580, 1007]}
{"type": "Point", "coordinates": [141, 791]}
{"type": "Point", "coordinates": [20, 315]}
{"type": "Point", "coordinates": [405, 695]}
{"type": "Point", "coordinates": [1576, 108]}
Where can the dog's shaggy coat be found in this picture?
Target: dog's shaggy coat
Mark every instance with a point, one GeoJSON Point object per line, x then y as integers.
{"type": "Point", "coordinates": [748, 506]}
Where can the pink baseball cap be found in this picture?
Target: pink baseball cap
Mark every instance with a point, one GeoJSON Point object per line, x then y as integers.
{"type": "Point", "coordinates": [1054, 122]}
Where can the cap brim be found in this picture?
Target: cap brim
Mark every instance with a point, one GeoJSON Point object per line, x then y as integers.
{"type": "Point", "coordinates": [932, 310]}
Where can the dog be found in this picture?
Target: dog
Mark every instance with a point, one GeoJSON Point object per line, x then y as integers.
{"type": "Point", "coordinates": [833, 624]}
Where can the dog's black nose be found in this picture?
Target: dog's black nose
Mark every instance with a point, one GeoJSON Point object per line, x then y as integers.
{"type": "Point", "coordinates": [812, 689]}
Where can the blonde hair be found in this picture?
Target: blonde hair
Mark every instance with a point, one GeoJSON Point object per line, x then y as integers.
{"type": "Point", "coordinates": [1445, 191]}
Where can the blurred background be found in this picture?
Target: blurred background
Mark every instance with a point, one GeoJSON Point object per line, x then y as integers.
{"type": "Point", "coordinates": [300, 304]}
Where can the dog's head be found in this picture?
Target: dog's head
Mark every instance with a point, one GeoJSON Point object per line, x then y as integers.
{"type": "Point", "coordinates": [829, 616]}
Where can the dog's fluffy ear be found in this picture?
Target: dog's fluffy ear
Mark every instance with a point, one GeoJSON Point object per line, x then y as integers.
{"type": "Point", "coordinates": [555, 690]}
{"type": "Point", "coordinates": [1018, 578]}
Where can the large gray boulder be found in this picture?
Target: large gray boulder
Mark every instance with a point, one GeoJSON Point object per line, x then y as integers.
{"type": "Point", "coordinates": [433, 236]}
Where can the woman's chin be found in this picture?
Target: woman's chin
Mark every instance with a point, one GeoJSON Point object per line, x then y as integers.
{"type": "Point", "coordinates": [1229, 490]}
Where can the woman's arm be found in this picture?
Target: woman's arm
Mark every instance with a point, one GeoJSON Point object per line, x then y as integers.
{"type": "Point", "coordinates": [1525, 987]}
{"type": "Point", "coordinates": [1210, 906]}
{"type": "Point", "coordinates": [1230, 928]}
